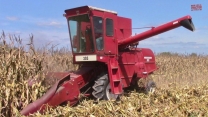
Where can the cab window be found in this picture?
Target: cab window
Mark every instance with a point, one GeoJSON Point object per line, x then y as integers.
{"type": "Point", "coordinates": [98, 32]}
{"type": "Point", "coordinates": [109, 27]}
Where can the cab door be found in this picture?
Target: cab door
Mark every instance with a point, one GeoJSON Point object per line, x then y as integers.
{"type": "Point", "coordinates": [110, 41]}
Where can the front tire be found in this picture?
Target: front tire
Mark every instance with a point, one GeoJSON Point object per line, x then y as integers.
{"type": "Point", "coordinates": [102, 89]}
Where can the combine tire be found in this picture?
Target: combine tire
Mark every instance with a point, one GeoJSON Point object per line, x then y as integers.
{"type": "Point", "coordinates": [101, 89]}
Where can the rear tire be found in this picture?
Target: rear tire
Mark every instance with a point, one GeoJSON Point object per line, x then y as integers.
{"type": "Point", "coordinates": [102, 90]}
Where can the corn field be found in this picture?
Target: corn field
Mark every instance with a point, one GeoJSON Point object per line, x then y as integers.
{"type": "Point", "coordinates": [182, 89]}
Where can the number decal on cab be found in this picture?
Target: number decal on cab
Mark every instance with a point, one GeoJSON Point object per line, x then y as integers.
{"type": "Point", "coordinates": [85, 58]}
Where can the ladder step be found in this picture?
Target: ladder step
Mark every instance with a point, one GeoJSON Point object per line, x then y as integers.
{"type": "Point", "coordinates": [117, 87]}
{"type": "Point", "coordinates": [115, 76]}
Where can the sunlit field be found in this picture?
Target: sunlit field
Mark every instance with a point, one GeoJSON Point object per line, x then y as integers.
{"type": "Point", "coordinates": [181, 80]}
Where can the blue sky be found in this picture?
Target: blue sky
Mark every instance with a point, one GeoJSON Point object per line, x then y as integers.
{"type": "Point", "coordinates": [44, 19]}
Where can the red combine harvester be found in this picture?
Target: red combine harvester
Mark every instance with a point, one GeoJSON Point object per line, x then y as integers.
{"type": "Point", "coordinates": [108, 57]}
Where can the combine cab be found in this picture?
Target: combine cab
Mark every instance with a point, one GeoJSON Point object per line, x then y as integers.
{"type": "Point", "coordinates": [103, 45]}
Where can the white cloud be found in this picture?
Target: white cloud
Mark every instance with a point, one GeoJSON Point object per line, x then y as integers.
{"type": "Point", "coordinates": [196, 47]}
{"type": "Point", "coordinates": [44, 30]}
{"type": "Point", "coordinates": [17, 32]}
{"type": "Point", "coordinates": [156, 37]}
{"type": "Point", "coordinates": [50, 23]}
{"type": "Point", "coordinates": [12, 18]}
{"type": "Point", "coordinates": [42, 37]}
{"type": "Point", "coordinates": [39, 21]}
{"type": "Point", "coordinates": [179, 47]}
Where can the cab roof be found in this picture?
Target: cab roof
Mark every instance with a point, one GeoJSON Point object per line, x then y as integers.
{"type": "Point", "coordinates": [92, 8]}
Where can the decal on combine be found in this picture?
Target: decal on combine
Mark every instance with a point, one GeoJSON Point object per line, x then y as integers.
{"type": "Point", "coordinates": [86, 58]}
{"type": "Point", "coordinates": [175, 22]}
{"type": "Point", "coordinates": [147, 58]}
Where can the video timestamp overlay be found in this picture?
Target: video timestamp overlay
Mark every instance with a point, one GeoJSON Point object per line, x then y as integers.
{"type": "Point", "coordinates": [196, 7]}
